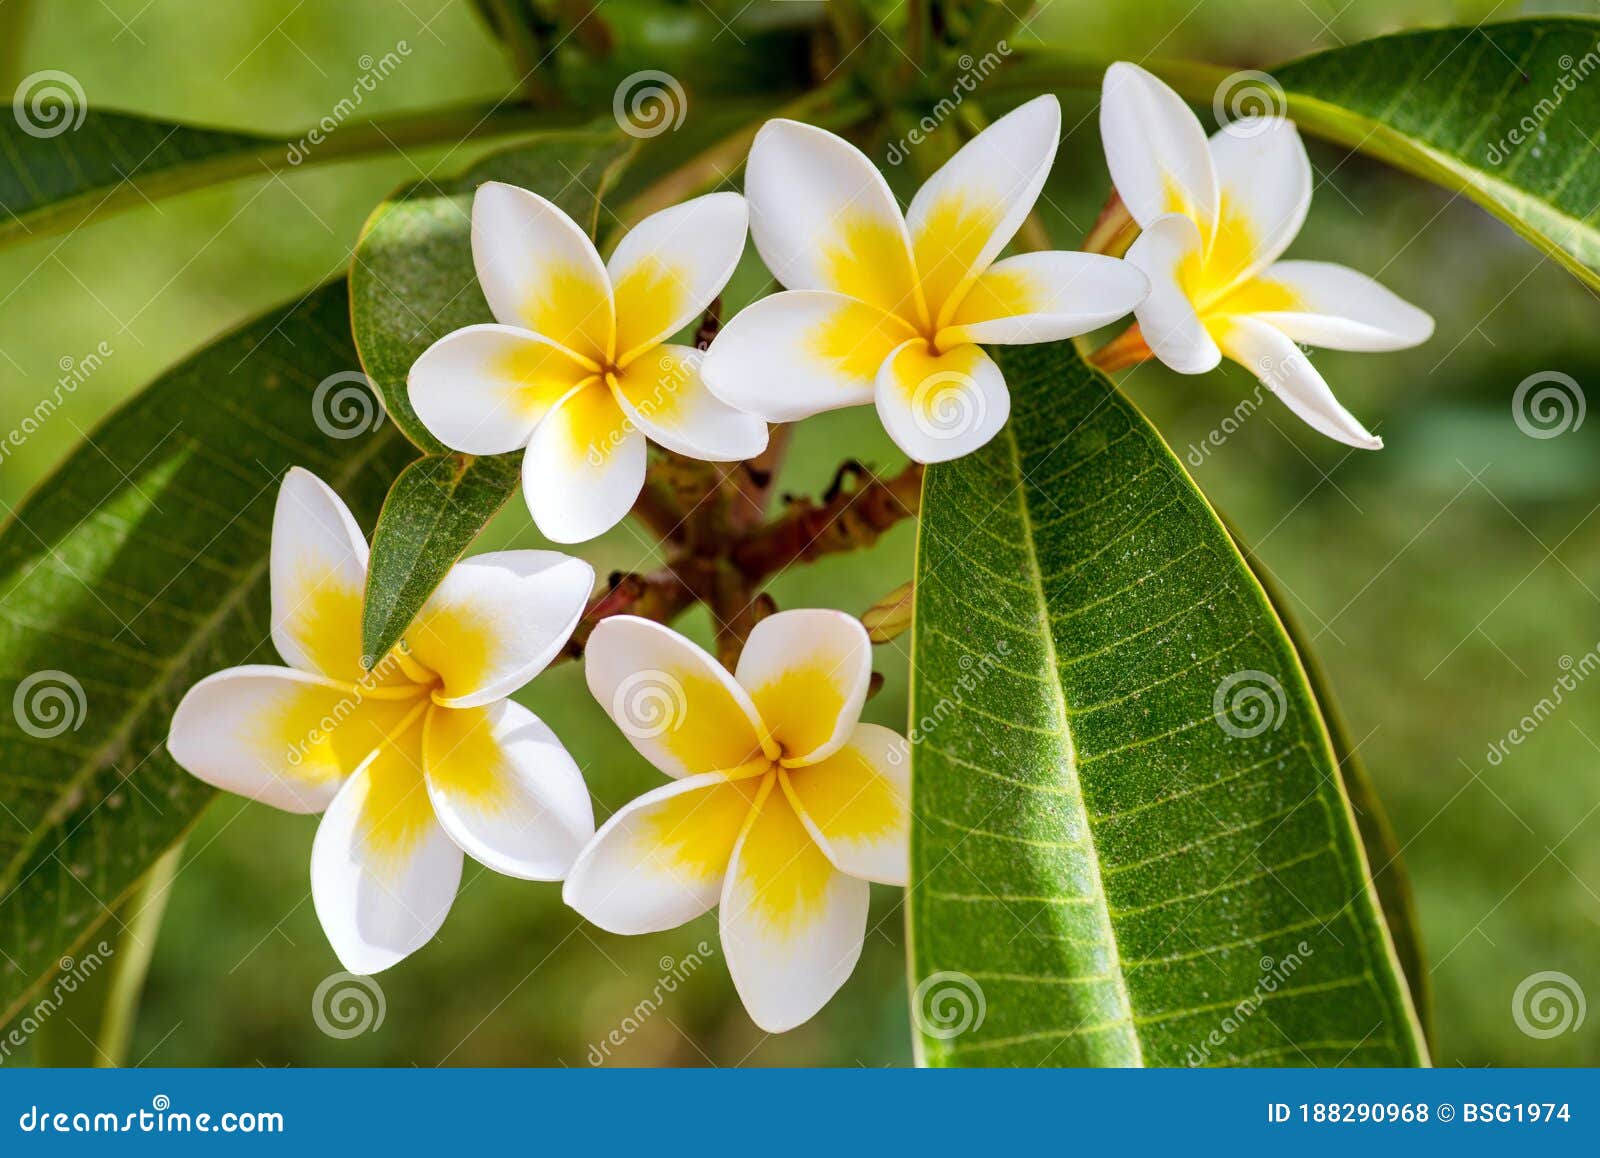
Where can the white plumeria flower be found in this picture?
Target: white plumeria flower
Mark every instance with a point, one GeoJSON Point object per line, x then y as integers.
{"type": "Point", "coordinates": [417, 761]}
{"type": "Point", "coordinates": [1215, 217]}
{"type": "Point", "coordinates": [578, 370]}
{"type": "Point", "coordinates": [889, 308]}
{"type": "Point", "coordinates": [783, 805]}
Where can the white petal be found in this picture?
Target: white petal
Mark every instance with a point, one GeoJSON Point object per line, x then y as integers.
{"type": "Point", "coordinates": [670, 266]}
{"type": "Point", "coordinates": [664, 396]}
{"type": "Point", "coordinates": [857, 805]}
{"type": "Point", "coordinates": [966, 213]}
{"type": "Point", "coordinates": [319, 578]}
{"type": "Point", "coordinates": [383, 871]}
{"type": "Point", "coordinates": [497, 620]}
{"type": "Point", "coordinates": [539, 270]}
{"type": "Point", "coordinates": [1045, 297]}
{"type": "Point", "coordinates": [792, 924]}
{"type": "Point", "coordinates": [277, 735]}
{"type": "Point", "coordinates": [482, 389]}
{"type": "Point", "coordinates": [940, 407]}
{"type": "Point", "coordinates": [1167, 317]}
{"type": "Point", "coordinates": [1155, 148]}
{"type": "Point", "coordinates": [584, 468]}
{"type": "Point", "coordinates": [506, 790]}
{"type": "Point", "coordinates": [1336, 307]}
{"type": "Point", "coordinates": [823, 218]}
{"type": "Point", "coordinates": [1283, 367]}
{"type": "Point", "coordinates": [660, 860]}
{"type": "Point", "coordinates": [677, 705]}
{"type": "Point", "coordinates": [1264, 190]}
{"type": "Point", "coordinates": [795, 354]}
{"type": "Point", "coordinates": [807, 673]}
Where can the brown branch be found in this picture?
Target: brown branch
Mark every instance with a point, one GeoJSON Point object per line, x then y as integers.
{"type": "Point", "coordinates": [845, 520]}
{"type": "Point", "coordinates": [661, 595]}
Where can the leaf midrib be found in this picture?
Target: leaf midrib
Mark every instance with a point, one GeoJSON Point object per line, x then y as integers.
{"type": "Point", "coordinates": [1058, 698]}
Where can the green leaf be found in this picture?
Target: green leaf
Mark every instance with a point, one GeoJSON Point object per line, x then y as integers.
{"type": "Point", "coordinates": [434, 510]}
{"type": "Point", "coordinates": [1503, 112]}
{"type": "Point", "coordinates": [1383, 850]}
{"type": "Point", "coordinates": [1113, 859]}
{"type": "Point", "coordinates": [137, 568]}
{"type": "Point", "coordinates": [411, 278]}
{"type": "Point", "coordinates": [94, 1025]}
{"type": "Point", "coordinates": [67, 164]}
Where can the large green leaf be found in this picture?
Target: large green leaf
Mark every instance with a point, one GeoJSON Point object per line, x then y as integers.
{"type": "Point", "coordinates": [66, 163]}
{"type": "Point", "coordinates": [137, 568]}
{"type": "Point", "coordinates": [1131, 844]}
{"type": "Point", "coordinates": [1505, 113]}
{"type": "Point", "coordinates": [1389, 876]}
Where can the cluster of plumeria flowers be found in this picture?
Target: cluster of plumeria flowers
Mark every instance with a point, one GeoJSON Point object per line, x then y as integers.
{"type": "Point", "coordinates": [782, 805]}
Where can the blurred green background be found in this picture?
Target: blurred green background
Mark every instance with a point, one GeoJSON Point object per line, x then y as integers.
{"type": "Point", "coordinates": [1444, 579]}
